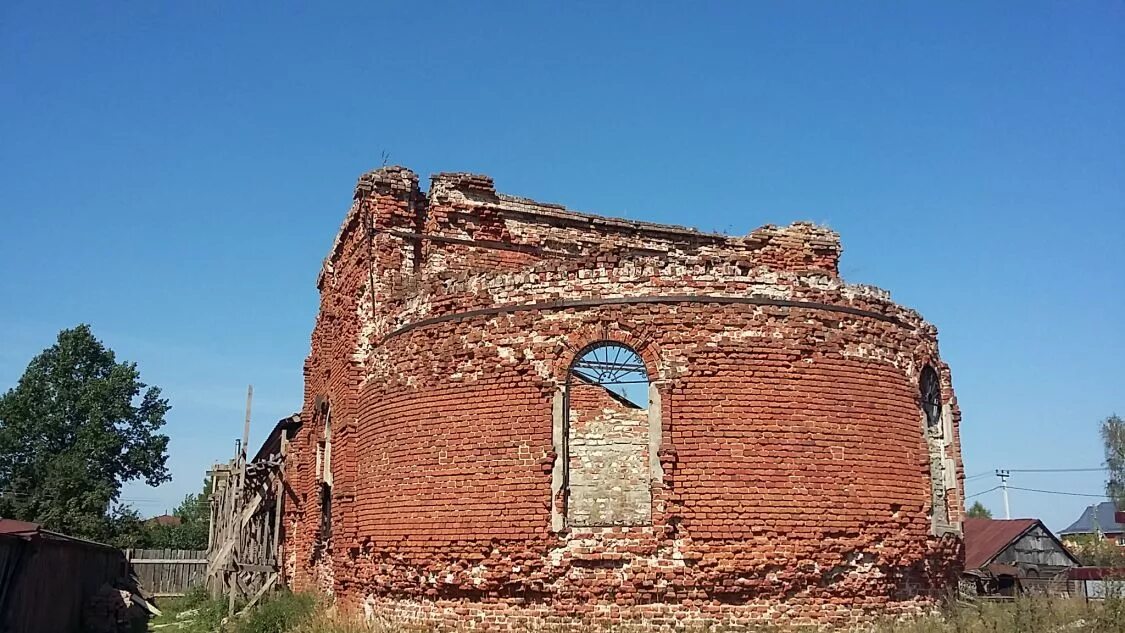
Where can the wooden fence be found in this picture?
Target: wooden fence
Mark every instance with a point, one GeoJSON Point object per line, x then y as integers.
{"type": "Point", "coordinates": [168, 572]}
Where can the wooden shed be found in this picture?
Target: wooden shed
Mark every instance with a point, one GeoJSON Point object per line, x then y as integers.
{"type": "Point", "coordinates": [1015, 552]}
{"type": "Point", "coordinates": [53, 583]}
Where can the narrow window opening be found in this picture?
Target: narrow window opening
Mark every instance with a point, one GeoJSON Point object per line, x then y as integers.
{"type": "Point", "coordinates": [607, 473]}
{"type": "Point", "coordinates": [930, 388]}
{"type": "Point", "coordinates": [324, 474]}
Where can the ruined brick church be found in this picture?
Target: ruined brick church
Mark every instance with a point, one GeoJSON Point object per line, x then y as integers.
{"type": "Point", "coordinates": [517, 415]}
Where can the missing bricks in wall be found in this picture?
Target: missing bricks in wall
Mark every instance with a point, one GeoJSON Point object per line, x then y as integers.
{"type": "Point", "coordinates": [770, 453]}
{"type": "Point", "coordinates": [418, 238]}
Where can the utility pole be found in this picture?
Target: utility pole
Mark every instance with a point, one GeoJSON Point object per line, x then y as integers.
{"type": "Point", "coordinates": [246, 424]}
{"type": "Point", "coordinates": [1003, 475]}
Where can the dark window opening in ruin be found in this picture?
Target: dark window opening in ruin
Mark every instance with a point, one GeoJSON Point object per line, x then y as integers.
{"type": "Point", "coordinates": [324, 474]}
{"type": "Point", "coordinates": [325, 510]}
{"type": "Point", "coordinates": [930, 388]}
{"type": "Point", "coordinates": [607, 439]}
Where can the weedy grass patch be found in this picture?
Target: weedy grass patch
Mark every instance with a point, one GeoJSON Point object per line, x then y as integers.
{"type": "Point", "coordinates": [1022, 615]}
{"type": "Point", "coordinates": [285, 612]}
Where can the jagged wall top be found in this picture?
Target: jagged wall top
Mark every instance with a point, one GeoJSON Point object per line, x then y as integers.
{"type": "Point", "coordinates": [467, 207]}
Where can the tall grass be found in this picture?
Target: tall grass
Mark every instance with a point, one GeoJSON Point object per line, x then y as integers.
{"type": "Point", "coordinates": [196, 612]}
{"type": "Point", "coordinates": [285, 612]}
{"type": "Point", "coordinates": [1023, 615]}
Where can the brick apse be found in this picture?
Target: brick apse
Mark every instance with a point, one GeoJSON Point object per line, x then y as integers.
{"type": "Point", "coordinates": [786, 450]}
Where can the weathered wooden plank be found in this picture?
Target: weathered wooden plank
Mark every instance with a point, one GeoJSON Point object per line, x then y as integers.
{"type": "Point", "coordinates": [246, 515]}
{"type": "Point", "coordinates": [266, 586]}
{"type": "Point", "coordinates": [265, 569]}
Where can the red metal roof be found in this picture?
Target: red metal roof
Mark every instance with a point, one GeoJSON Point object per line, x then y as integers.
{"type": "Point", "coordinates": [12, 527]}
{"type": "Point", "coordinates": [19, 528]}
{"type": "Point", "coordinates": [986, 538]}
{"type": "Point", "coordinates": [1095, 573]}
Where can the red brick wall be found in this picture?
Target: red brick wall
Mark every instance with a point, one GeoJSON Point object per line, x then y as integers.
{"type": "Point", "coordinates": [793, 480]}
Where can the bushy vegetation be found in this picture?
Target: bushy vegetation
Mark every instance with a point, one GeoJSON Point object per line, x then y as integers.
{"type": "Point", "coordinates": [196, 612]}
{"type": "Point", "coordinates": [283, 612]}
{"type": "Point", "coordinates": [978, 511]}
{"type": "Point", "coordinates": [1094, 550]}
{"type": "Point", "coordinates": [194, 513]}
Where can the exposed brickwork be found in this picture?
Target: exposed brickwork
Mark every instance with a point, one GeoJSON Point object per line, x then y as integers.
{"type": "Point", "coordinates": [793, 475]}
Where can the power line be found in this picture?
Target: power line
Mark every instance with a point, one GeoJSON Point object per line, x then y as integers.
{"type": "Point", "coordinates": [1056, 492]}
{"type": "Point", "coordinates": [977, 494]}
{"type": "Point", "coordinates": [1038, 470]}
{"type": "Point", "coordinates": [1046, 492]}
{"type": "Point", "coordinates": [1056, 470]}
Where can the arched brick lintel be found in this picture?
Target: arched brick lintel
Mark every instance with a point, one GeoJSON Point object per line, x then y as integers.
{"type": "Point", "coordinates": [583, 337]}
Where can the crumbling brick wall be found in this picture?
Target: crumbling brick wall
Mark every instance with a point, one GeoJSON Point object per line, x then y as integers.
{"type": "Point", "coordinates": [791, 472]}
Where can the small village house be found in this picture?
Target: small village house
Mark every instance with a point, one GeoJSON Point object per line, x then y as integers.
{"type": "Point", "coordinates": [1102, 520]}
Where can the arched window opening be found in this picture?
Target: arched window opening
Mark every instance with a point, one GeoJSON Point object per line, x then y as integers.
{"type": "Point", "coordinates": [607, 439]}
{"type": "Point", "coordinates": [930, 387]}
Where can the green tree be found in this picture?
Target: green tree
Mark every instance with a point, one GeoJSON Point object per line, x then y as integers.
{"type": "Point", "coordinates": [978, 511]}
{"type": "Point", "coordinates": [1113, 434]}
{"type": "Point", "coordinates": [76, 427]}
{"type": "Point", "coordinates": [194, 513]}
{"type": "Point", "coordinates": [1095, 550]}
{"type": "Point", "coordinates": [126, 528]}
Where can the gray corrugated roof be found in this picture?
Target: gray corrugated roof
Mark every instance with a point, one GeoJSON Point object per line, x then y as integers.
{"type": "Point", "coordinates": [1102, 514]}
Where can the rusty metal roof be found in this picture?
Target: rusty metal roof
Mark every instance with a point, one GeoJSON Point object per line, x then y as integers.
{"type": "Point", "coordinates": [1095, 573]}
{"type": "Point", "coordinates": [26, 529]}
{"type": "Point", "coordinates": [166, 520]}
{"type": "Point", "coordinates": [18, 528]}
{"type": "Point", "coordinates": [986, 538]}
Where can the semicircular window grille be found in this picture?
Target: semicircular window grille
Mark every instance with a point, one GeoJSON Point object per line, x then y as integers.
{"type": "Point", "coordinates": [609, 363]}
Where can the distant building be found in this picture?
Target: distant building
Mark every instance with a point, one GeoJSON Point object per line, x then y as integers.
{"type": "Point", "coordinates": [166, 520]}
{"type": "Point", "coordinates": [1102, 519]}
{"type": "Point", "coordinates": [1012, 549]}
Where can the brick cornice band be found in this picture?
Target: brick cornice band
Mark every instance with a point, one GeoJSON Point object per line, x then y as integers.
{"type": "Point", "coordinates": [550, 306]}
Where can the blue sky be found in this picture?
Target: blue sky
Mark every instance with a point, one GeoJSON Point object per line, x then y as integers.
{"type": "Point", "coordinates": [173, 174]}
